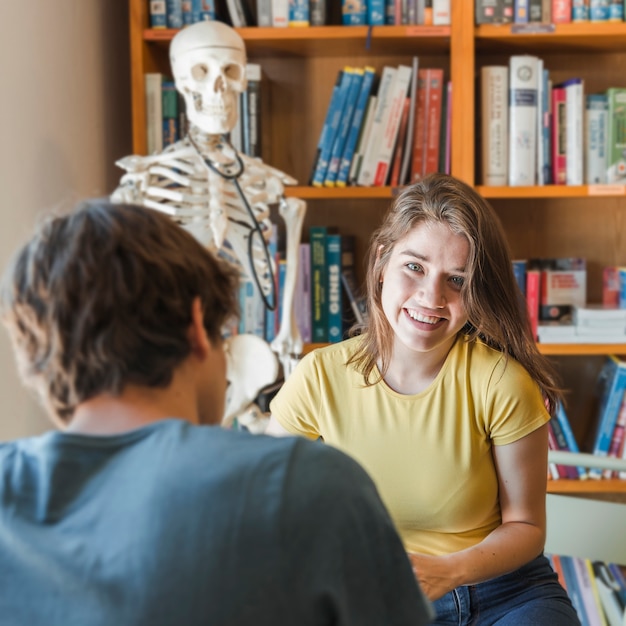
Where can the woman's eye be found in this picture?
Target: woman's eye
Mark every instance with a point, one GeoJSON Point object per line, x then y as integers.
{"type": "Point", "coordinates": [457, 281]}
{"type": "Point", "coordinates": [414, 267]}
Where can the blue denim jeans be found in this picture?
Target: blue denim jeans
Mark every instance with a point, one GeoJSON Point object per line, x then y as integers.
{"type": "Point", "coordinates": [530, 596]}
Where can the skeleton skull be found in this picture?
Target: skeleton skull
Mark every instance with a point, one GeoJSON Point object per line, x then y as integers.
{"type": "Point", "coordinates": [208, 61]}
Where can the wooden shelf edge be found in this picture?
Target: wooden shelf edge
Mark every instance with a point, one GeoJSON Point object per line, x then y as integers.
{"type": "Point", "coordinates": [581, 30]}
{"type": "Point", "coordinates": [610, 485]}
{"type": "Point", "coordinates": [268, 34]}
{"type": "Point", "coordinates": [581, 349]}
{"type": "Point", "coordinates": [329, 193]}
{"type": "Point", "coordinates": [553, 191]}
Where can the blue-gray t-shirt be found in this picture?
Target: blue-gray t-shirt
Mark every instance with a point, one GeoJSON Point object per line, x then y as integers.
{"type": "Point", "coordinates": [182, 524]}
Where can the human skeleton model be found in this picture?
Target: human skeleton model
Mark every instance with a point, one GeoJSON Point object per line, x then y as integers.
{"type": "Point", "coordinates": [223, 197]}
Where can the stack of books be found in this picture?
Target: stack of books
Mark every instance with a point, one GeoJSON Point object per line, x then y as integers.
{"type": "Point", "coordinates": [590, 324]}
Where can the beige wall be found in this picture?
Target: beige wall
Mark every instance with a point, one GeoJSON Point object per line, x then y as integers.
{"type": "Point", "coordinates": [65, 118]}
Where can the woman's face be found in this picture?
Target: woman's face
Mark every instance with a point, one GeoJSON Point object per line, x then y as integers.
{"type": "Point", "coordinates": [421, 292]}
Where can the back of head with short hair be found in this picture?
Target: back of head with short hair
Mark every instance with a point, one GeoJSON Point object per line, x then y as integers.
{"type": "Point", "coordinates": [102, 298]}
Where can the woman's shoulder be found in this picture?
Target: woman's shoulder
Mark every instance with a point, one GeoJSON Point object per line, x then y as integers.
{"type": "Point", "coordinates": [338, 352]}
{"type": "Point", "coordinates": [484, 358]}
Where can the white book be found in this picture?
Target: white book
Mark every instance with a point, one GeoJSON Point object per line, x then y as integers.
{"type": "Point", "coordinates": [302, 299]}
{"type": "Point", "coordinates": [574, 107]}
{"type": "Point", "coordinates": [357, 159]}
{"type": "Point", "coordinates": [154, 112]}
{"type": "Point", "coordinates": [397, 97]}
{"type": "Point", "coordinates": [370, 152]}
{"type": "Point", "coordinates": [494, 82]}
{"type": "Point", "coordinates": [596, 136]}
{"type": "Point", "coordinates": [523, 84]}
{"type": "Point", "coordinates": [441, 12]}
{"type": "Point", "coordinates": [280, 13]}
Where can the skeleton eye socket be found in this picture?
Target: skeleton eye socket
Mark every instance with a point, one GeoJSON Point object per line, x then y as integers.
{"type": "Point", "coordinates": [233, 71]}
{"type": "Point", "coordinates": [200, 72]}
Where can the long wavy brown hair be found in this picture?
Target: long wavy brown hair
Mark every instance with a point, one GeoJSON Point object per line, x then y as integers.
{"type": "Point", "coordinates": [495, 307]}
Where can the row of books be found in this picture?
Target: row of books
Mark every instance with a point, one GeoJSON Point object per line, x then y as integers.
{"type": "Point", "coordinates": [298, 13]}
{"type": "Point", "coordinates": [548, 11]}
{"type": "Point", "coordinates": [327, 300]}
{"type": "Point", "coordinates": [597, 589]}
{"type": "Point", "coordinates": [538, 133]}
{"type": "Point", "coordinates": [166, 118]}
{"type": "Point", "coordinates": [395, 12]}
{"type": "Point", "coordinates": [387, 130]}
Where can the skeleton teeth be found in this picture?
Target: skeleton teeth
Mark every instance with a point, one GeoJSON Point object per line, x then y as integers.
{"type": "Point", "coordinates": [418, 317]}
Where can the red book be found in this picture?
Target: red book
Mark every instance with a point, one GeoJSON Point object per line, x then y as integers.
{"type": "Point", "coordinates": [561, 11]}
{"type": "Point", "coordinates": [427, 123]}
{"type": "Point", "coordinates": [558, 568]}
{"type": "Point", "coordinates": [433, 120]}
{"type": "Point", "coordinates": [559, 135]}
{"type": "Point", "coordinates": [533, 291]}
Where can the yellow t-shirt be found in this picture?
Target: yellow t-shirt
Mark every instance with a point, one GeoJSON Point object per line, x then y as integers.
{"type": "Point", "coordinates": [430, 453]}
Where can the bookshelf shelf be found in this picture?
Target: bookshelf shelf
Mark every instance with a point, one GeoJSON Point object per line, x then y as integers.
{"type": "Point", "coordinates": [554, 220]}
{"type": "Point", "coordinates": [333, 40]}
{"type": "Point", "coordinates": [589, 487]}
{"type": "Point", "coordinates": [553, 191]}
{"type": "Point", "coordinates": [575, 37]}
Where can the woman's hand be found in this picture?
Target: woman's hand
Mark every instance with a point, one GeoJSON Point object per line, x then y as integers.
{"type": "Point", "coordinates": [434, 574]}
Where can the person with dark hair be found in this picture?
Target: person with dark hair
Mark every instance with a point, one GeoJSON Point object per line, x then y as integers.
{"type": "Point", "coordinates": [142, 509]}
{"type": "Point", "coordinates": [444, 399]}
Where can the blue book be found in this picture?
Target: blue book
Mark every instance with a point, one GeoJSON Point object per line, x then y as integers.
{"type": "Point", "coordinates": [570, 440]}
{"type": "Point", "coordinates": [612, 382]}
{"type": "Point", "coordinates": [299, 13]}
{"type": "Point", "coordinates": [519, 271]}
{"type": "Point", "coordinates": [355, 126]}
{"type": "Point", "coordinates": [271, 316]}
{"type": "Point", "coordinates": [521, 11]}
{"type": "Point", "coordinates": [331, 126]}
{"type": "Point", "coordinates": [333, 286]}
{"type": "Point", "coordinates": [158, 14]}
{"type": "Point", "coordinates": [376, 12]}
{"type": "Point", "coordinates": [574, 590]}
{"type": "Point", "coordinates": [174, 11]}
{"type": "Point", "coordinates": [344, 126]}
{"type": "Point", "coordinates": [326, 127]}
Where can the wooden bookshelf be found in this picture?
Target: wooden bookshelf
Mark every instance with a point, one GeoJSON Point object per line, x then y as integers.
{"type": "Point", "coordinates": [300, 66]}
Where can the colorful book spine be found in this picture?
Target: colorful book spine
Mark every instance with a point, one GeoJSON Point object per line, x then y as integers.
{"type": "Point", "coordinates": [494, 11]}
{"type": "Point", "coordinates": [616, 135]}
{"type": "Point", "coordinates": [580, 10]}
{"type": "Point", "coordinates": [356, 124]}
{"type": "Point", "coordinates": [617, 438]}
{"type": "Point", "coordinates": [333, 286]}
{"type": "Point", "coordinates": [319, 310]}
{"type": "Point", "coordinates": [616, 11]}
{"type": "Point", "coordinates": [158, 14]}
{"type": "Point", "coordinates": [545, 128]}
{"type": "Point", "coordinates": [561, 11]}
{"type": "Point", "coordinates": [573, 588]}
{"type": "Point", "coordinates": [434, 108]}
{"type": "Point", "coordinates": [251, 112]}
{"type": "Point", "coordinates": [280, 13]}
{"type": "Point", "coordinates": [533, 295]}
{"type": "Point", "coordinates": [345, 124]}
{"type": "Point", "coordinates": [362, 140]}
{"type": "Point", "coordinates": [353, 12]}
{"type": "Point", "coordinates": [559, 136]}
{"type": "Point", "coordinates": [204, 10]}
{"type": "Point", "coordinates": [264, 12]}
{"type": "Point", "coordinates": [299, 13]}
{"type": "Point", "coordinates": [494, 81]}
{"type": "Point", "coordinates": [569, 471]}
{"type": "Point", "coordinates": [598, 11]}
{"type": "Point", "coordinates": [596, 117]}
{"type": "Point", "coordinates": [396, 160]}
{"type": "Point", "coordinates": [523, 85]}
{"type": "Point", "coordinates": [521, 14]}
